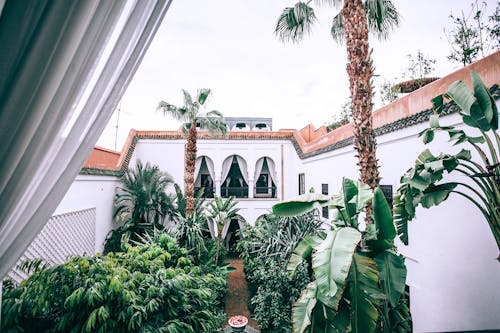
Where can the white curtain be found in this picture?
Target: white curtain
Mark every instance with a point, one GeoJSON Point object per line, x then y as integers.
{"type": "Point", "coordinates": [243, 167]}
{"type": "Point", "coordinates": [64, 66]}
{"type": "Point", "coordinates": [258, 168]}
{"type": "Point", "coordinates": [226, 166]}
{"type": "Point", "coordinates": [272, 170]}
{"type": "Point", "coordinates": [210, 167]}
{"type": "Point", "coordinates": [197, 166]}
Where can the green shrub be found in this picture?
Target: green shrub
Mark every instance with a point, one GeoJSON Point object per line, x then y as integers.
{"type": "Point", "coordinates": [147, 288]}
{"type": "Point", "coordinates": [266, 249]}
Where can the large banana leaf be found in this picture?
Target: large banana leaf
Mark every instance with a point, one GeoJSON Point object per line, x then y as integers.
{"type": "Point", "coordinates": [350, 201]}
{"type": "Point", "coordinates": [382, 215]}
{"type": "Point", "coordinates": [301, 204]}
{"type": "Point", "coordinates": [304, 250]}
{"type": "Point", "coordinates": [401, 218]}
{"type": "Point", "coordinates": [478, 109]}
{"type": "Point", "coordinates": [392, 275]}
{"type": "Point", "coordinates": [331, 263]}
{"type": "Point", "coordinates": [364, 294]}
{"type": "Point", "coordinates": [303, 307]}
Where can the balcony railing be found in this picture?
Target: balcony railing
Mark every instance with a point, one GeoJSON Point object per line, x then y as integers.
{"type": "Point", "coordinates": [265, 192]}
{"type": "Point", "coordinates": [238, 192]}
{"type": "Point", "coordinates": [208, 192]}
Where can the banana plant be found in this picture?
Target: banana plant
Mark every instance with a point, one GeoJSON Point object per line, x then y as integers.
{"type": "Point", "coordinates": [421, 184]}
{"type": "Point", "coordinates": [220, 212]}
{"type": "Point", "coordinates": [359, 278]}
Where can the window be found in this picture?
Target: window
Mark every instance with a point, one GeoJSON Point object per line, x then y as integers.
{"type": "Point", "coordinates": [387, 190]}
{"type": "Point", "coordinates": [302, 183]}
{"type": "Point", "coordinates": [261, 126]}
{"type": "Point", "coordinates": [324, 189]}
{"type": "Point", "coordinates": [241, 125]}
{"type": "Point", "coordinates": [324, 210]}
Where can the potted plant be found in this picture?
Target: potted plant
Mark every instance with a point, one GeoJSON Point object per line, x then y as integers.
{"type": "Point", "coordinates": [238, 323]}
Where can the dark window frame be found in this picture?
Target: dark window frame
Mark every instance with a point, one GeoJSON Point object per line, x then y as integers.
{"type": "Point", "coordinates": [302, 183]}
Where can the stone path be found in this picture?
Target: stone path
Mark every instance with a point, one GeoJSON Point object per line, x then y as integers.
{"type": "Point", "coordinates": [237, 295]}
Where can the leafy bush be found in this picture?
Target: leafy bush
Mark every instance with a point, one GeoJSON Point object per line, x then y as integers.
{"type": "Point", "coordinates": [266, 249]}
{"type": "Point", "coordinates": [147, 288]}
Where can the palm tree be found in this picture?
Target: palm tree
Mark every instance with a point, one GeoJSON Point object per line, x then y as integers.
{"type": "Point", "coordinates": [219, 213]}
{"type": "Point", "coordinates": [141, 204]}
{"type": "Point", "coordinates": [192, 115]}
{"type": "Point", "coordinates": [142, 197]}
{"type": "Point", "coordinates": [351, 25]}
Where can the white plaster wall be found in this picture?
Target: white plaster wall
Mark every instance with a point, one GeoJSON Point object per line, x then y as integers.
{"type": "Point", "coordinates": [169, 156]}
{"type": "Point", "coordinates": [92, 192]}
{"type": "Point", "coordinates": [452, 270]}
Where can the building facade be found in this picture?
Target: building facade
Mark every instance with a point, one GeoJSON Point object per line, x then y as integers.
{"type": "Point", "coordinates": [453, 273]}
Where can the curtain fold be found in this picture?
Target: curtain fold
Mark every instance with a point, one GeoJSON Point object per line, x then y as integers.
{"type": "Point", "coordinates": [210, 167]}
{"type": "Point", "coordinates": [272, 170]}
{"type": "Point", "coordinates": [258, 168]}
{"type": "Point", "coordinates": [243, 167]}
{"type": "Point", "coordinates": [226, 166]}
{"type": "Point", "coordinates": [66, 71]}
{"type": "Point", "coordinates": [197, 167]}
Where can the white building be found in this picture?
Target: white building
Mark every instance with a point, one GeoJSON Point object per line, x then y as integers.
{"type": "Point", "coordinates": [453, 273]}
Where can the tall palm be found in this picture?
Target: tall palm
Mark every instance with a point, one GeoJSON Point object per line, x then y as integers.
{"type": "Point", "coordinates": [193, 115]}
{"type": "Point", "coordinates": [351, 25]}
{"type": "Point", "coordinates": [219, 213]}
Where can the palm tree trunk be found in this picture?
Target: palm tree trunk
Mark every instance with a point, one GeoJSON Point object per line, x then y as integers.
{"type": "Point", "coordinates": [360, 71]}
{"type": "Point", "coordinates": [189, 162]}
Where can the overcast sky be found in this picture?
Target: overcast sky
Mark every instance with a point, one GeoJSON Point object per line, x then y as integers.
{"type": "Point", "coordinates": [229, 47]}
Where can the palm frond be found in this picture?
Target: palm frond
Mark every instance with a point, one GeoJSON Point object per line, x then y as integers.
{"type": "Point", "coordinates": [188, 100]}
{"type": "Point", "coordinates": [337, 29]}
{"type": "Point", "coordinates": [295, 22]}
{"type": "Point", "coordinates": [382, 17]}
{"type": "Point", "coordinates": [180, 114]}
{"type": "Point", "coordinates": [203, 95]}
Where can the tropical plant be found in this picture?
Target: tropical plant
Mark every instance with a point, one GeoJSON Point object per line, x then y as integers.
{"type": "Point", "coordinates": [342, 118]}
{"type": "Point", "coordinates": [266, 249]}
{"type": "Point", "coordinates": [192, 115]}
{"type": "Point", "coordinates": [351, 25]}
{"type": "Point", "coordinates": [189, 232]}
{"type": "Point", "coordinates": [141, 204]}
{"type": "Point", "coordinates": [359, 278]}
{"type": "Point", "coordinates": [472, 35]}
{"type": "Point", "coordinates": [181, 200]}
{"type": "Point", "coordinates": [388, 92]}
{"type": "Point", "coordinates": [148, 288]}
{"type": "Point", "coordinates": [421, 183]}
{"type": "Point", "coordinates": [219, 213]}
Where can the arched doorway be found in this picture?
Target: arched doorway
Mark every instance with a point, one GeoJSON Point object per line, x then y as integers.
{"type": "Point", "coordinates": [204, 176]}
{"type": "Point", "coordinates": [231, 235]}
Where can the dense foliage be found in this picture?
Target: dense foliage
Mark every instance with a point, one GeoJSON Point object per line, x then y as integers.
{"type": "Point", "coordinates": [141, 204]}
{"type": "Point", "coordinates": [266, 248]}
{"type": "Point", "coordinates": [359, 278]}
{"type": "Point", "coordinates": [152, 287]}
{"type": "Point", "coordinates": [423, 184]}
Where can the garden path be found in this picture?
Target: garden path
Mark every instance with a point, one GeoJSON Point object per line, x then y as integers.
{"type": "Point", "coordinates": [237, 295]}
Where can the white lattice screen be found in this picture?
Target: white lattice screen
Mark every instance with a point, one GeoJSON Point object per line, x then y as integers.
{"type": "Point", "coordinates": [64, 235]}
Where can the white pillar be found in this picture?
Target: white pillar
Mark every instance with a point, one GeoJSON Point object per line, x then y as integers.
{"type": "Point", "coordinates": [251, 190]}
{"type": "Point", "coordinates": [217, 187]}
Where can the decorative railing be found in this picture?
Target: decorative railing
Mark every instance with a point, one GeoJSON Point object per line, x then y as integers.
{"type": "Point", "coordinates": [264, 192]}
{"type": "Point", "coordinates": [238, 192]}
{"type": "Point", "coordinates": [208, 192]}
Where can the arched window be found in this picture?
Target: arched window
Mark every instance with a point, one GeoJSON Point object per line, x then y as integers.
{"type": "Point", "coordinates": [204, 176]}
{"type": "Point", "coordinates": [265, 178]}
{"type": "Point", "coordinates": [234, 177]}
